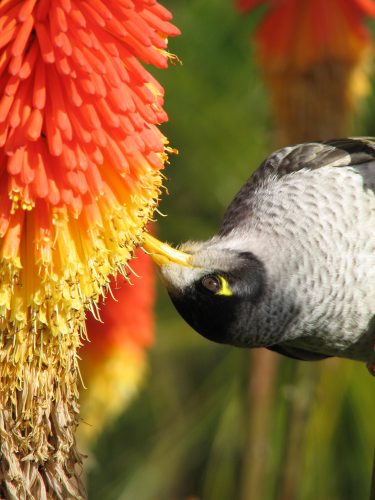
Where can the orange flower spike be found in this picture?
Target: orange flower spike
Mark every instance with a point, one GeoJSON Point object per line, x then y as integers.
{"type": "Point", "coordinates": [316, 25]}
{"type": "Point", "coordinates": [80, 161]}
{"type": "Point", "coordinates": [314, 56]}
{"type": "Point", "coordinates": [75, 54]}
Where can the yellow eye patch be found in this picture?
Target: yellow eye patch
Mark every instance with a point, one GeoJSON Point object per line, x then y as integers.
{"type": "Point", "coordinates": [225, 289]}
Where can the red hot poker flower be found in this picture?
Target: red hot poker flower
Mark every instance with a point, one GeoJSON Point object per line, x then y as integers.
{"type": "Point", "coordinates": [314, 56]}
{"type": "Point", "coordinates": [80, 161]}
{"type": "Point", "coordinates": [305, 31]}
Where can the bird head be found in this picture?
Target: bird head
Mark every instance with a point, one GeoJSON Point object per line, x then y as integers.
{"type": "Point", "coordinates": [213, 286]}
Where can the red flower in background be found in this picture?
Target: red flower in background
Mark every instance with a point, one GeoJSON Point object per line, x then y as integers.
{"type": "Point", "coordinates": [114, 361]}
{"type": "Point", "coordinates": [126, 318]}
{"type": "Point", "coordinates": [314, 57]}
{"type": "Point", "coordinates": [305, 30]}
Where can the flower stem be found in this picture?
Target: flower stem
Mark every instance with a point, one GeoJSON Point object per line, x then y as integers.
{"type": "Point", "coordinates": [39, 414]}
{"type": "Point", "coordinates": [372, 490]}
{"type": "Point", "coordinates": [262, 381]}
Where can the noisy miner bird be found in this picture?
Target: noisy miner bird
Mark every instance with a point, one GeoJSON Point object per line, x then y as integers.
{"type": "Point", "coordinates": [292, 267]}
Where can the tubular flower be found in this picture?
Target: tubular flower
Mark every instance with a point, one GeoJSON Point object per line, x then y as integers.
{"type": "Point", "coordinates": [80, 161]}
{"type": "Point", "coordinates": [113, 362]}
{"type": "Point", "coordinates": [314, 56]}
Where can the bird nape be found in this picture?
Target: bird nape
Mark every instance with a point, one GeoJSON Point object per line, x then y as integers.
{"type": "Point", "coordinates": [292, 267]}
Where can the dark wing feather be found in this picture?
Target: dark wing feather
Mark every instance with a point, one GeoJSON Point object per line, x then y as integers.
{"type": "Point", "coordinates": [295, 353]}
{"type": "Point", "coordinates": [311, 155]}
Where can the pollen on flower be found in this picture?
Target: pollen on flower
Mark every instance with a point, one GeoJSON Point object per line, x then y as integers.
{"type": "Point", "coordinates": [80, 162]}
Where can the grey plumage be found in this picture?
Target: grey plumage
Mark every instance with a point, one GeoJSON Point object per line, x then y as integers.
{"type": "Point", "coordinates": [297, 248]}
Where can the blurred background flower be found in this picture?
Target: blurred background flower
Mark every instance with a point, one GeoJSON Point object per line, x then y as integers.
{"type": "Point", "coordinates": [114, 360]}
{"type": "Point", "coordinates": [315, 58]}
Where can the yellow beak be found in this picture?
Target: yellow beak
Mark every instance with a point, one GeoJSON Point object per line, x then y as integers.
{"type": "Point", "coordinates": [163, 254]}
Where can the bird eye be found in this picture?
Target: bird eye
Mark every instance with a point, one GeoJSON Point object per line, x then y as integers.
{"type": "Point", "coordinates": [212, 283]}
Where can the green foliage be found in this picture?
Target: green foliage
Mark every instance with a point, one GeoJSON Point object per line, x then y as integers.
{"type": "Point", "coordinates": [185, 434]}
{"type": "Point", "coordinates": [217, 111]}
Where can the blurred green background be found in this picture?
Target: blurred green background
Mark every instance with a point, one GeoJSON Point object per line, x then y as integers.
{"type": "Point", "coordinates": [185, 436]}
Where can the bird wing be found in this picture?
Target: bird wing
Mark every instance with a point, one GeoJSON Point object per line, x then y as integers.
{"type": "Point", "coordinates": [312, 155]}
{"type": "Point", "coordinates": [296, 353]}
